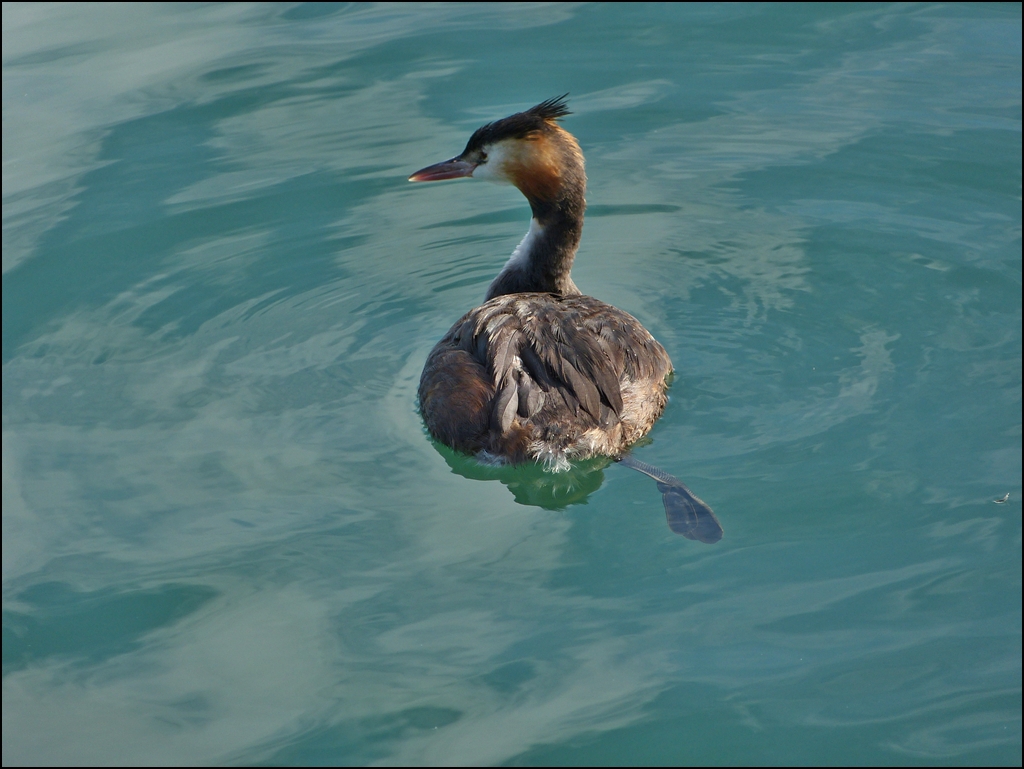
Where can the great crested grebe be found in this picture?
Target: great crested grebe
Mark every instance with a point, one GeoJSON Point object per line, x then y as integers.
{"type": "Point", "coordinates": [541, 372]}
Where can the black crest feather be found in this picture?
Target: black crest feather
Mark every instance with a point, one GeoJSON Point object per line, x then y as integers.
{"type": "Point", "coordinates": [521, 124]}
{"type": "Point", "coordinates": [552, 109]}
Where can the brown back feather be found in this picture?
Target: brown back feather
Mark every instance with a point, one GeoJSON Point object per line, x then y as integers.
{"type": "Point", "coordinates": [555, 366]}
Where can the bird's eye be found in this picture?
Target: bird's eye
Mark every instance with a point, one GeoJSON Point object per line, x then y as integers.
{"type": "Point", "coordinates": [483, 157]}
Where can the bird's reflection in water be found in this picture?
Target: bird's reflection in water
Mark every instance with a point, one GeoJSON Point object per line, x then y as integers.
{"type": "Point", "coordinates": [530, 484]}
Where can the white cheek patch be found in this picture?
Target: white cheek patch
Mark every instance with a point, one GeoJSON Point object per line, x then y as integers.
{"type": "Point", "coordinates": [494, 169]}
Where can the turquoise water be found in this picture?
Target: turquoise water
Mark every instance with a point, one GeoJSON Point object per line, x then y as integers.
{"type": "Point", "coordinates": [226, 537]}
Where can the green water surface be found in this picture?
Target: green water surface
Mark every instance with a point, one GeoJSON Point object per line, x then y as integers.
{"type": "Point", "coordinates": [226, 536]}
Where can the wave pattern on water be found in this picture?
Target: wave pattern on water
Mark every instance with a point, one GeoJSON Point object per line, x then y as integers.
{"type": "Point", "coordinates": [226, 536]}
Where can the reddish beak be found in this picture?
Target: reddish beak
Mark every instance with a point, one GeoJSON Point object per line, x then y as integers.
{"type": "Point", "coordinates": [455, 168]}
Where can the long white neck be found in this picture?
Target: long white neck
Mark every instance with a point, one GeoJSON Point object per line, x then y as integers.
{"type": "Point", "coordinates": [543, 259]}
